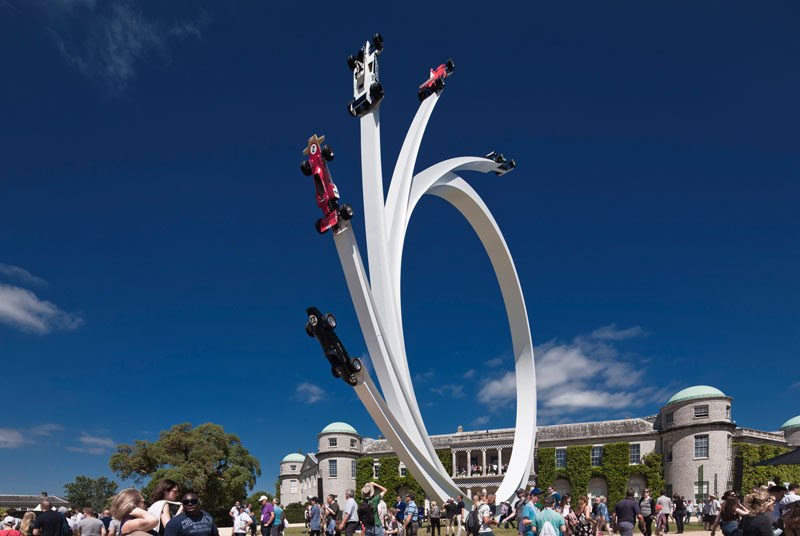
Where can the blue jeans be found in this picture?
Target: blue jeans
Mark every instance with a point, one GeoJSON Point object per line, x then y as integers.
{"type": "Point", "coordinates": [374, 531]}
{"type": "Point", "coordinates": [625, 528]}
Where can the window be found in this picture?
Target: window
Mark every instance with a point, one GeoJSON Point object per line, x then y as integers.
{"type": "Point", "coordinates": [376, 468]}
{"type": "Point", "coordinates": [332, 468]}
{"type": "Point", "coordinates": [700, 411]}
{"type": "Point", "coordinates": [635, 454]}
{"type": "Point", "coordinates": [597, 456]}
{"type": "Point", "coordinates": [701, 446]}
{"type": "Point", "coordinates": [352, 443]}
{"type": "Point", "coordinates": [728, 415]}
{"type": "Point", "coordinates": [292, 467]}
{"type": "Point", "coordinates": [353, 468]}
{"type": "Point", "coordinates": [402, 469]}
{"type": "Point", "coordinates": [668, 490]}
{"type": "Point", "coordinates": [701, 491]}
{"type": "Point", "coordinates": [668, 454]}
{"type": "Point", "coordinates": [669, 417]}
{"type": "Point", "coordinates": [561, 457]}
{"type": "Point", "coordinates": [331, 441]}
{"type": "Point", "coordinates": [293, 486]}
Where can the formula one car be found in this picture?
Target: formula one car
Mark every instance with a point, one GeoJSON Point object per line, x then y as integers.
{"type": "Point", "coordinates": [327, 193]}
{"type": "Point", "coordinates": [322, 327]}
{"type": "Point", "coordinates": [435, 82]}
{"type": "Point", "coordinates": [503, 165]}
{"type": "Point", "coordinates": [367, 90]}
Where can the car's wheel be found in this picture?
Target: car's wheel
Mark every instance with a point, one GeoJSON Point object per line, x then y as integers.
{"type": "Point", "coordinates": [422, 94]}
{"type": "Point", "coordinates": [336, 371]}
{"type": "Point", "coordinates": [346, 212]}
{"type": "Point", "coordinates": [376, 91]}
{"type": "Point", "coordinates": [351, 109]}
{"type": "Point", "coordinates": [327, 153]}
{"type": "Point", "coordinates": [360, 56]}
{"type": "Point", "coordinates": [351, 62]}
{"type": "Point", "coordinates": [356, 364]}
{"type": "Point", "coordinates": [331, 320]}
{"type": "Point", "coordinates": [318, 226]}
{"type": "Point", "coordinates": [439, 84]}
{"type": "Point", "coordinates": [352, 380]}
{"type": "Point", "coordinates": [450, 65]}
{"type": "Point", "coordinates": [305, 167]}
{"type": "Point", "coordinates": [377, 42]}
{"type": "Point", "coordinates": [309, 329]}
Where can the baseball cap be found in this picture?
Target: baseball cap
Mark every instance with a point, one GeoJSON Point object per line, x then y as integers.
{"type": "Point", "coordinates": [536, 491]}
{"type": "Point", "coordinates": [263, 498]}
{"type": "Point", "coordinates": [9, 520]}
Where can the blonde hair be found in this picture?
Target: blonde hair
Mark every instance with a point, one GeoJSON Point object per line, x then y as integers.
{"type": "Point", "coordinates": [758, 502]}
{"type": "Point", "coordinates": [27, 523]}
{"type": "Point", "coordinates": [124, 503]}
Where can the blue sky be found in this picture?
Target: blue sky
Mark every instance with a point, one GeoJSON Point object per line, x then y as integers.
{"type": "Point", "coordinates": [157, 240]}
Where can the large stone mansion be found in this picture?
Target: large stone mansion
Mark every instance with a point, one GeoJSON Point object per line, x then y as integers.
{"type": "Point", "coordinates": [693, 429]}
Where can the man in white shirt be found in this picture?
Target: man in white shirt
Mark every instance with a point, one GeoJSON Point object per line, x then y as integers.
{"type": "Point", "coordinates": [666, 507]}
{"type": "Point", "coordinates": [234, 511]}
{"type": "Point", "coordinates": [240, 522]}
{"type": "Point", "coordinates": [484, 514]}
{"type": "Point", "coordinates": [349, 514]}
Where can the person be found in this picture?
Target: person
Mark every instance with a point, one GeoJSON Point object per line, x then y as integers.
{"type": "Point", "coordinates": [602, 514]}
{"type": "Point", "coordinates": [26, 527]}
{"type": "Point", "coordinates": [517, 508]}
{"type": "Point", "coordinates": [369, 512]}
{"type": "Point", "coordinates": [314, 518]}
{"type": "Point", "coordinates": [90, 525]}
{"type": "Point", "coordinates": [666, 507]}
{"type": "Point", "coordinates": [626, 512]}
{"type": "Point", "coordinates": [484, 515]}
{"type": "Point", "coordinates": [527, 518]}
{"type": "Point", "coordinates": [241, 522]}
{"type": "Point", "coordinates": [729, 515]}
{"type": "Point", "coordinates": [758, 521]}
{"type": "Point", "coordinates": [331, 510]}
{"type": "Point", "coordinates": [584, 525]}
{"type": "Point", "coordinates": [391, 526]}
{"type": "Point", "coordinates": [267, 514]}
{"type": "Point", "coordinates": [113, 527]}
{"type": "Point", "coordinates": [462, 514]}
{"type": "Point", "coordinates": [648, 507]}
{"type": "Point", "coordinates": [435, 515]}
{"type": "Point", "coordinates": [713, 510]}
{"type": "Point", "coordinates": [8, 527]}
{"type": "Point", "coordinates": [278, 517]}
{"type": "Point", "coordinates": [450, 515]}
{"type": "Point", "coordinates": [349, 521]}
{"type": "Point", "coordinates": [400, 508]}
{"type": "Point", "coordinates": [556, 497]}
{"type": "Point", "coordinates": [69, 515]}
{"type": "Point", "coordinates": [234, 511]}
{"type": "Point", "coordinates": [49, 522]}
{"type": "Point", "coordinates": [678, 511]}
{"type": "Point", "coordinates": [689, 510]}
{"type": "Point", "coordinates": [548, 522]}
{"type": "Point", "coordinates": [660, 520]}
{"type": "Point", "coordinates": [164, 494]}
{"type": "Point", "coordinates": [192, 521]}
{"type": "Point", "coordinates": [106, 519]}
{"type": "Point", "coordinates": [307, 516]}
{"type": "Point", "coordinates": [128, 508]}
{"type": "Point", "coordinates": [411, 519]}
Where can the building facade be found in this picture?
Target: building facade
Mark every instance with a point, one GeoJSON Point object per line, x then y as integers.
{"type": "Point", "coordinates": [694, 432]}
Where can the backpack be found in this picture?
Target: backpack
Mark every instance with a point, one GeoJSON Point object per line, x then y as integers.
{"type": "Point", "coordinates": [547, 528]}
{"type": "Point", "coordinates": [473, 522]}
{"type": "Point", "coordinates": [366, 513]}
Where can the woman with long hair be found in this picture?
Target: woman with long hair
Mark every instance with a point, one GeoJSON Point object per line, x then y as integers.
{"type": "Point", "coordinates": [128, 508]}
{"type": "Point", "coordinates": [758, 522]}
{"type": "Point", "coordinates": [26, 527]}
{"type": "Point", "coordinates": [729, 515]}
{"type": "Point", "coordinates": [164, 494]}
{"type": "Point", "coordinates": [583, 511]}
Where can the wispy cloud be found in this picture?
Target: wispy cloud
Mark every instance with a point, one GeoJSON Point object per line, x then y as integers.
{"type": "Point", "coordinates": [21, 275]}
{"type": "Point", "coordinates": [424, 376]}
{"type": "Point", "coordinates": [90, 444]}
{"type": "Point", "coordinates": [21, 308]}
{"type": "Point", "coordinates": [480, 421]}
{"type": "Point", "coordinates": [450, 389]}
{"type": "Point", "coordinates": [494, 362]}
{"type": "Point", "coordinates": [308, 393]}
{"type": "Point", "coordinates": [469, 374]}
{"type": "Point", "coordinates": [611, 333]}
{"type": "Point", "coordinates": [16, 437]}
{"type": "Point", "coordinates": [112, 39]}
{"type": "Point", "coordinates": [796, 385]}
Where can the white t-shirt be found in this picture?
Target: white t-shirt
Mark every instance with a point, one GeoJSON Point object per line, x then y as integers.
{"type": "Point", "coordinates": [484, 511]}
{"type": "Point", "coordinates": [240, 522]}
{"type": "Point", "coordinates": [234, 511]}
{"type": "Point", "coordinates": [714, 507]}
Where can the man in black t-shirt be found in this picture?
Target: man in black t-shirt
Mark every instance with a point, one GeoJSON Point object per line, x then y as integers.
{"type": "Point", "coordinates": [626, 513]}
{"type": "Point", "coordinates": [49, 522]}
{"type": "Point", "coordinates": [450, 515]}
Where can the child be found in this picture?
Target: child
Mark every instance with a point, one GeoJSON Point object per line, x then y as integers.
{"type": "Point", "coordinates": [661, 521]}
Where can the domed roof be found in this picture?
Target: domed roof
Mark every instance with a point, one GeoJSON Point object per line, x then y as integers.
{"type": "Point", "coordinates": [697, 391]}
{"type": "Point", "coordinates": [791, 423]}
{"type": "Point", "coordinates": [294, 457]}
{"type": "Point", "coordinates": [339, 428]}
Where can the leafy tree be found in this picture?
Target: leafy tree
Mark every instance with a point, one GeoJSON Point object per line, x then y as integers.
{"type": "Point", "coordinates": [94, 492]}
{"type": "Point", "coordinates": [203, 459]}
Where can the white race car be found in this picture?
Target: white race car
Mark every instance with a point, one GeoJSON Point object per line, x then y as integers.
{"type": "Point", "coordinates": [367, 90]}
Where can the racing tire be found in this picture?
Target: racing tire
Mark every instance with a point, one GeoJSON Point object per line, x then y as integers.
{"type": "Point", "coordinates": [336, 371]}
{"type": "Point", "coordinates": [331, 320]}
{"type": "Point", "coordinates": [439, 84]}
{"type": "Point", "coordinates": [377, 42]}
{"type": "Point", "coordinates": [351, 62]}
{"type": "Point", "coordinates": [351, 110]}
{"type": "Point", "coordinates": [318, 226]}
{"type": "Point", "coordinates": [450, 65]}
{"type": "Point", "coordinates": [376, 91]}
{"type": "Point", "coordinates": [360, 56]}
{"type": "Point", "coordinates": [346, 212]}
{"type": "Point", "coordinates": [309, 330]}
{"type": "Point", "coordinates": [356, 364]}
{"type": "Point", "coordinates": [352, 380]}
{"type": "Point", "coordinates": [422, 94]}
{"type": "Point", "coordinates": [305, 167]}
{"type": "Point", "coordinates": [327, 153]}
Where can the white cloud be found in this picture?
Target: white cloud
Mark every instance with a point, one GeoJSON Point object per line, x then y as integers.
{"type": "Point", "coordinates": [88, 450]}
{"type": "Point", "coordinates": [21, 275]}
{"type": "Point", "coordinates": [308, 393]}
{"type": "Point", "coordinates": [93, 444]}
{"type": "Point", "coordinates": [13, 437]}
{"type": "Point", "coordinates": [501, 390]}
{"type": "Point", "coordinates": [451, 390]}
{"type": "Point", "coordinates": [21, 308]}
{"type": "Point", "coordinates": [796, 385]}
{"type": "Point", "coordinates": [480, 421]}
{"type": "Point", "coordinates": [469, 374]}
{"type": "Point", "coordinates": [45, 429]}
{"type": "Point", "coordinates": [611, 333]}
{"type": "Point", "coordinates": [423, 376]}
{"type": "Point", "coordinates": [494, 362]}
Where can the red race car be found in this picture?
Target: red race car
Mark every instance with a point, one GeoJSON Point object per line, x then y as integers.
{"type": "Point", "coordinates": [327, 193]}
{"type": "Point", "coordinates": [435, 82]}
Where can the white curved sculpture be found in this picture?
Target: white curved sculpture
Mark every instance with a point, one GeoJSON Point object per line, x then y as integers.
{"type": "Point", "coordinates": [378, 306]}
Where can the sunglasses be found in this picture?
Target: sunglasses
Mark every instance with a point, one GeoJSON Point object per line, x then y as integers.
{"type": "Point", "coordinates": [190, 501]}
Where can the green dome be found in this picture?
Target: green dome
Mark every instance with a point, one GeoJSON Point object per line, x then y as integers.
{"type": "Point", "coordinates": [791, 423]}
{"type": "Point", "coordinates": [698, 391]}
{"type": "Point", "coordinates": [339, 428]}
{"type": "Point", "coordinates": [294, 457]}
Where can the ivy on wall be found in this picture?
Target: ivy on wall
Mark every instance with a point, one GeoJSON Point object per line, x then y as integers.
{"type": "Point", "coordinates": [388, 477]}
{"type": "Point", "coordinates": [747, 476]}
{"type": "Point", "coordinates": [615, 469]}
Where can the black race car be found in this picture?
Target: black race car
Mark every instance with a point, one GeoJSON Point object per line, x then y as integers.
{"type": "Point", "coordinates": [322, 326]}
{"type": "Point", "coordinates": [503, 165]}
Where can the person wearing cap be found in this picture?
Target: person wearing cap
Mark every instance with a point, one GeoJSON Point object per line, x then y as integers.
{"type": "Point", "coordinates": [8, 527]}
{"type": "Point", "coordinates": [314, 518]}
{"type": "Point", "coordinates": [267, 515]}
{"type": "Point", "coordinates": [411, 521]}
{"type": "Point", "coordinates": [516, 509]}
{"type": "Point", "coordinates": [535, 498]}
{"type": "Point", "coordinates": [660, 520]}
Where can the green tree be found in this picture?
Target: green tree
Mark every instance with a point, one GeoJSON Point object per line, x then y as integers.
{"type": "Point", "coordinates": [94, 492]}
{"type": "Point", "coordinates": [203, 459]}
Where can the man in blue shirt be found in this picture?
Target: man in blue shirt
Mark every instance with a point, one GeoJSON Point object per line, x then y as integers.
{"type": "Point", "coordinates": [411, 523]}
{"type": "Point", "coordinates": [400, 506]}
{"type": "Point", "coordinates": [314, 518]}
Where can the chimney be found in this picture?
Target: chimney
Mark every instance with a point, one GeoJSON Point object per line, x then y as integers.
{"type": "Point", "coordinates": [380, 436]}
{"type": "Point", "coordinates": [460, 429]}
